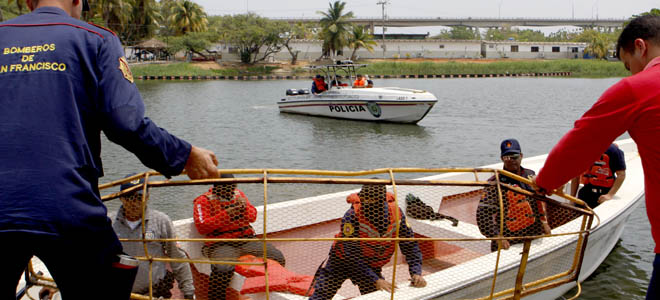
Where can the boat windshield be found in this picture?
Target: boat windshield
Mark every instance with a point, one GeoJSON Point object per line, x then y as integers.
{"type": "Point", "coordinates": [333, 73]}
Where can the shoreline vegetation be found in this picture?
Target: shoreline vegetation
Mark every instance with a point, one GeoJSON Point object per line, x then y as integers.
{"type": "Point", "coordinates": [578, 68]}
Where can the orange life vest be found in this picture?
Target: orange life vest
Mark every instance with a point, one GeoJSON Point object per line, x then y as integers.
{"type": "Point", "coordinates": [600, 174]}
{"type": "Point", "coordinates": [375, 253]}
{"type": "Point", "coordinates": [360, 82]}
{"type": "Point", "coordinates": [280, 279]}
{"type": "Point", "coordinates": [320, 85]}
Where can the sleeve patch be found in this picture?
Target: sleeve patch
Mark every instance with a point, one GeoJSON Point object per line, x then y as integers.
{"type": "Point", "coordinates": [348, 229]}
{"type": "Point", "coordinates": [125, 70]}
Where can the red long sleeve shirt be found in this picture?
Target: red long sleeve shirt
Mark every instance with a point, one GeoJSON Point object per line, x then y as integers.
{"type": "Point", "coordinates": [633, 105]}
{"type": "Point", "coordinates": [213, 221]}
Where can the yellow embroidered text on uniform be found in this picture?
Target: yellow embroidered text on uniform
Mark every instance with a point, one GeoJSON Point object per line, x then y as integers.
{"type": "Point", "coordinates": [29, 49]}
{"type": "Point", "coordinates": [38, 66]}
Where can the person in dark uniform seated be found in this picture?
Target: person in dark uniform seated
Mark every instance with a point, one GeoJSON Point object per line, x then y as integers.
{"type": "Point", "coordinates": [603, 179]}
{"type": "Point", "coordinates": [319, 85]}
{"type": "Point", "coordinates": [488, 218]}
{"type": "Point", "coordinates": [225, 212]}
{"type": "Point", "coordinates": [372, 215]}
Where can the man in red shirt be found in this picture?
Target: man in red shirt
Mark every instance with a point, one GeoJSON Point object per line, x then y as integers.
{"type": "Point", "coordinates": [633, 105]}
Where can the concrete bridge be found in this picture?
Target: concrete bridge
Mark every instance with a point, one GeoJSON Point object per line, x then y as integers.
{"type": "Point", "coordinates": [473, 22]}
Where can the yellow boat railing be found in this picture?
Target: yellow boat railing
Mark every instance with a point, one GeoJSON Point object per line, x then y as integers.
{"type": "Point", "coordinates": [492, 216]}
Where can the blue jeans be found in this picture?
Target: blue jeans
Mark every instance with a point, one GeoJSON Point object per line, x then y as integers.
{"type": "Point", "coordinates": [654, 286]}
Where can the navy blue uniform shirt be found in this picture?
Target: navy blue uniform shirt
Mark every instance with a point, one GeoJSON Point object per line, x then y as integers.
{"type": "Point", "coordinates": [410, 249]}
{"type": "Point", "coordinates": [62, 82]}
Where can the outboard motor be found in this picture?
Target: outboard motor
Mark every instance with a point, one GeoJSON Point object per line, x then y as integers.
{"type": "Point", "coordinates": [292, 92]}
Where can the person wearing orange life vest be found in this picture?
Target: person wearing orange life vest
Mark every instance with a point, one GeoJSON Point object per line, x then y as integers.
{"type": "Point", "coordinates": [225, 212]}
{"type": "Point", "coordinates": [360, 82]}
{"type": "Point", "coordinates": [319, 85]}
{"type": "Point", "coordinates": [373, 214]}
{"type": "Point", "coordinates": [523, 216]}
{"type": "Point", "coordinates": [603, 179]}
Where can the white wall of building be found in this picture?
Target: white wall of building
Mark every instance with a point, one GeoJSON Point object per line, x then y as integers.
{"type": "Point", "coordinates": [310, 50]}
{"type": "Point", "coordinates": [545, 50]}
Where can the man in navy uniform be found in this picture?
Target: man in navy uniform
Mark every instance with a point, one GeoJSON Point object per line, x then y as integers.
{"type": "Point", "coordinates": [603, 179]}
{"type": "Point", "coordinates": [373, 214]}
{"type": "Point", "coordinates": [62, 82]}
{"type": "Point", "coordinates": [488, 219]}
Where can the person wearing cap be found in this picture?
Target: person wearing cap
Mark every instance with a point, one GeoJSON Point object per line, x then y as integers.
{"type": "Point", "coordinates": [488, 219]}
{"type": "Point", "coordinates": [63, 82]}
{"type": "Point", "coordinates": [603, 179]}
{"type": "Point", "coordinates": [359, 82]}
{"type": "Point", "coordinates": [127, 222]}
{"type": "Point", "coordinates": [224, 212]}
{"type": "Point", "coordinates": [319, 85]}
{"type": "Point", "coordinates": [373, 214]}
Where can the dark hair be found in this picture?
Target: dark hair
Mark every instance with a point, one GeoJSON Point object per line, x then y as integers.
{"type": "Point", "coordinates": [644, 27]}
{"type": "Point", "coordinates": [224, 175]}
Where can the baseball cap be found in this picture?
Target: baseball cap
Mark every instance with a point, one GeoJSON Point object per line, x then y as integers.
{"type": "Point", "coordinates": [132, 183]}
{"type": "Point", "coordinates": [510, 146]}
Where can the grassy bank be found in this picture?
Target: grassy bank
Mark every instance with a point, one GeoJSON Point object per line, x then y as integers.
{"type": "Point", "coordinates": [578, 68]}
{"type": "Point", "coordinates": [188, 69]}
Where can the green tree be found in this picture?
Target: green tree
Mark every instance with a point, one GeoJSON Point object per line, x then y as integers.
{"type": "Point", "coordinates": [334, 27]}
{"type": "Point", "coordinates": [529, 35]}
{"type": "Point", "coordinates": [143, 21]}
{"type": "Point", "coordinates": [294, 32]}
{"type": "Point", "coordinates": [598, 42]}
{"type": "Point", "coordinates": [192, 42]}
{"type": "Point", "coordinates": [360, 38]}
{"type": "Point", "coordinates": [113, 14]}
{"type": "Point", "coordinates": [251, 33]}
{"type": "Point", "coordinates": [186, 16]}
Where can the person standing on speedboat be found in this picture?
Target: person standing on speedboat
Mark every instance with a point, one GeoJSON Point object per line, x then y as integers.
{"type": "Point", "coordinates": [633, 105]}
{"type": "Point", "coordinates": [62, 82]}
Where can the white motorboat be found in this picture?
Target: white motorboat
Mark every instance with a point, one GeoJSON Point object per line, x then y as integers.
{"type": "Point", "coordinates": [457, 261]}
{"type": "Point", "coordinates": [381, 104]}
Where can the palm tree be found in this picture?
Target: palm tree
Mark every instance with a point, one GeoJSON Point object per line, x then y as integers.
{"type": "Point", "coordinates": [360, 38]}
{"type": "Point", "coordinates": [335, 25]}
{"type": "Point", "coordinates": [19, 4]}
{"type": "Point", "coordinates": [598, 43]}
{"type": "Point", "coordinates": [186, 16]}
{"type": "Point", "coordinates": [115, 13]}
{"type": "Point", "coordinates": [143, 21]}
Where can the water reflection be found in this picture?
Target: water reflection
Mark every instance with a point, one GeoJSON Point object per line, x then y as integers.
{"type": "Point", "coordinates": [340, 128]}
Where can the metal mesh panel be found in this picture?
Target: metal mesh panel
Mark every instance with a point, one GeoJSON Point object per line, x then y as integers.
{"type": "Point", "coordinates": [348, 235]}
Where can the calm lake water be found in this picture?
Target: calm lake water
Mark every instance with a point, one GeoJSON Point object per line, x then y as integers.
{"type": "Point", "coordinates": [240, 122]}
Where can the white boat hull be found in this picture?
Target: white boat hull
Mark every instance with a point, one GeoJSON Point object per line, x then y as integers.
{"type": "Point", "coordinates": [375, 104]}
